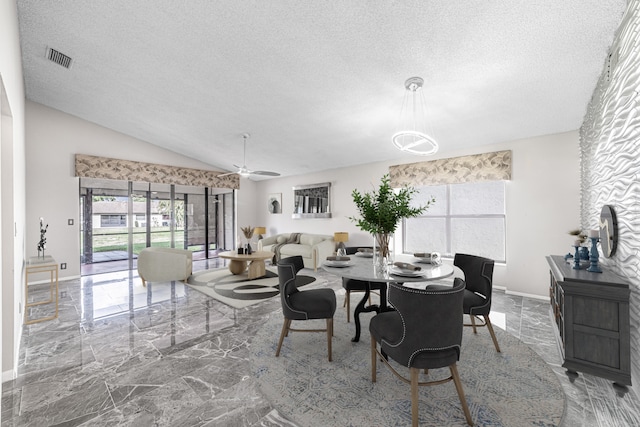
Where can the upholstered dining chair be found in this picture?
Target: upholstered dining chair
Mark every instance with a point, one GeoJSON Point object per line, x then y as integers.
{"type": "Point", "coordinates": [425, 332]}
{"type": "Point", "coordinates": [303, 305]}
{"type": "Point", "coordinates": [478, 275]}
{"type": "Point", "coordinates": [354, 285]}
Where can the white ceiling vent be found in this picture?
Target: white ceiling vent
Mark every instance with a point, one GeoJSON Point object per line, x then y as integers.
{"type": "Point", "coordinates": [59, 58]}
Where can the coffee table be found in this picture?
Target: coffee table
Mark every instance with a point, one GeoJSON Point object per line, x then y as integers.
{"type": "Point", "coordinates": [238, 262]}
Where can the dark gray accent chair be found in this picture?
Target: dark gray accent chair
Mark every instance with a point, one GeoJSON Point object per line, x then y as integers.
{"type": "Point", "coordinates": [478, 275]}
{"type": "Point", "coordinates": [354, 285]}
{"type": "Point", "coordinates": [303, 305]}
{"type": "Point", "coordinates": [425, 332]}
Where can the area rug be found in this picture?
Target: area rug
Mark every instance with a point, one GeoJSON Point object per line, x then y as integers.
{"type": "Point", "coordinates": [513, 388]}
{"type": "Point", "coordinates": [237, 290]}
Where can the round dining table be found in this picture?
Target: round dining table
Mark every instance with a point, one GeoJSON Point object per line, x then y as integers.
{"type": "Point", "coordinates": [362, 268]}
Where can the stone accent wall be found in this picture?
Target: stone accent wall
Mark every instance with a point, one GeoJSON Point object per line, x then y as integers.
{"type": "Point", "coordinates": [610, 160]}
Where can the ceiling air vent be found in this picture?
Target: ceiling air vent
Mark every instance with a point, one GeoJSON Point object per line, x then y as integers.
{"type": "Point", "coordinates": [59, 58]}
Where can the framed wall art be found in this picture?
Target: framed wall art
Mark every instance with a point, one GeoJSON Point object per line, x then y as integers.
{"type": "Point", "coordinates": [274, 205]}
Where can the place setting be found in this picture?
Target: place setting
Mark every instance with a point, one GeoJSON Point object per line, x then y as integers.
{"type": "Point", "coordinates": [405, 269]}
{"type": "Point", "coordinates": [364, 253]}
{"type": "Point", "coordinates": [428, 258]}
{"type": "Point", "coordinates": [338, 261]}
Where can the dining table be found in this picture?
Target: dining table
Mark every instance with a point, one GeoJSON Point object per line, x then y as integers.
{"type": "Point", "coordinates": [361, 267]}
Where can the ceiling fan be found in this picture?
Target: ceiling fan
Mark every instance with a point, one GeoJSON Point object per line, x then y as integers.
{"type": "Point", "coordinates": [245, 172]}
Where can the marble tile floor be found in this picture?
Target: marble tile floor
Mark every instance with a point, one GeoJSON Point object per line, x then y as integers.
{"type": "Point", "coordinates": [166, 355]}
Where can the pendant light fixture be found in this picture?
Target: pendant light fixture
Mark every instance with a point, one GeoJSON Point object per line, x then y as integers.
{"type": "Point", "coordinates": [412, 136]}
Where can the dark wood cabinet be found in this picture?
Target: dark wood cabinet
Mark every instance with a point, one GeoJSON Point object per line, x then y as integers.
{"type": "Point", "coordinates": [591, 312]}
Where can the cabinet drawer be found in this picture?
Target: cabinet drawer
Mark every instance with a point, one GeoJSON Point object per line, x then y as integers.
{"type": "Point", "coordinates": [598, 349]}
{"type": "Point", "coordinates": [596, 313]}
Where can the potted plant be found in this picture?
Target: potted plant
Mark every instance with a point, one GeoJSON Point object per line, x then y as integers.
{"type": "Point", "coordinates": [380, 212]}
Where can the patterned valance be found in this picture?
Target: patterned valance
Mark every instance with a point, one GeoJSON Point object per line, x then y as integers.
{"type": "Point", "coordinates": [479, 167]}
{"type": "Point", "coordinates": [127, 170]}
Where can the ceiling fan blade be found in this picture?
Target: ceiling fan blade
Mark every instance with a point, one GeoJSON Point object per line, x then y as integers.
{"type": "Point", "coordinates": [265, 173]}
{"type": "Point", "coordinates": [226, 174]}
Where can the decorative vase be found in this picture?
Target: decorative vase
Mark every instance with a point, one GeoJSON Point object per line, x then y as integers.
{"type": "Point", "coordinates": [382, 251]}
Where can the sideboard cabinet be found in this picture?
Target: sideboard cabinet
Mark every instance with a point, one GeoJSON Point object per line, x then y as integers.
{"type": "Point", "coordinates": [591, 312]}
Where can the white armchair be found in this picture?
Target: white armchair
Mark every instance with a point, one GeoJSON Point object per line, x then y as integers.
{"type": "Point", "coordinates": [164, 265]}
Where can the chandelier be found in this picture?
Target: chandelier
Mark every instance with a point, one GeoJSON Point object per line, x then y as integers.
{"type": "Point", "coordinates": [412, 136]}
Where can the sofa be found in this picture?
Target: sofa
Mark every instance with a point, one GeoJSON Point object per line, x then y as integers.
{"type": "Point", "coordinates": [314, 248]}
{"type": "Point", "coordinates": [164, 265]}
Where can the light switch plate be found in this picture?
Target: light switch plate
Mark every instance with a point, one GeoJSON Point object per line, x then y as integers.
{"type": "Point", "coordinates": [70, 221]}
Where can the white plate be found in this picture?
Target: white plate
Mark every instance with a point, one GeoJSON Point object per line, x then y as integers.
{"type": "Point", "coordinates": [406, 273]}
{"type": "Point", "coordinates": [330, 263]}
{"type": "Point", "coordinates": [424, 260]}
{"type": "Point", "coordinates": [364, 254]}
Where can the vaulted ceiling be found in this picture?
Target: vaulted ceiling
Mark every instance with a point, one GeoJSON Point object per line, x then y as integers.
{"type": "Point", "coordinates": [318, 84]}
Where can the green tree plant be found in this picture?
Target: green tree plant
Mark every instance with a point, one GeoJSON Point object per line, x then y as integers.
{"type": "Point", "coordinates": [381, 210]}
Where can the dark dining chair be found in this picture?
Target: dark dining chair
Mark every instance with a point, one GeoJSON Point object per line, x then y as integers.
{"type": "Point", "coordinates": [478, 275]}
{"type": "Point", "coordinates": [425, 332]}
{"type": "Point", "coordinates": [355, 285]}
{"type": "Point", "coordinates": [303, 305]}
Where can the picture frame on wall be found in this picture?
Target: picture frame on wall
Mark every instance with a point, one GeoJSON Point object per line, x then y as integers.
{"type": "Point", "coordinates": [274, 205]}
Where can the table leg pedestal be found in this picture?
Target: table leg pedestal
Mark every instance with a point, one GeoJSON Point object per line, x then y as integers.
{"type": "Point", "coordinates": [362, 308]}
{"type": "Point", "coordinates": [256, 269]}
{"type": "Point", "coordinates": [237, 266]}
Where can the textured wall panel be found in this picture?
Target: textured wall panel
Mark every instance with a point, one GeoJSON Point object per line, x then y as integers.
{"type": "Point", "coordinates": [126, 170]}
{"type": "Point", "coordinates": [610, 160]}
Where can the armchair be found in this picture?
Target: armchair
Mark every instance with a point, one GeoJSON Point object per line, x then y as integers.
{"type": "Point", "coordinates": [303, 305]}
{"type": "Point", "coordinates": [425, 332]}
{"type": "Point", "coordinates": [478, 275]}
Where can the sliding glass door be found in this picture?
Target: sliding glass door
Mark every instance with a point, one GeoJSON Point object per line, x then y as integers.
{"type": "Point", "coordinates": [119, 219]}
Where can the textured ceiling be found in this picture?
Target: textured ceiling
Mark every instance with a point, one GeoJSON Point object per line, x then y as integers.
{"type": "Point", "coordinates": [319, 84]}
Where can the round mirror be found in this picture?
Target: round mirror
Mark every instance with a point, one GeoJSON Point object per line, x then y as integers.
{"type": "Point", "coordinates": [608, 231]}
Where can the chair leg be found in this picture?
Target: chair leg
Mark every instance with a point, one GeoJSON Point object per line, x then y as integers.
{"type": "Point", "coordinates": [473, 323]}
{"type": "Point", "coordinates": [347, 300]}
{"type": "Point", "coordinates": [285, 331]}
{"type": "Point", "coordinates": [414, 396]}
{"type": "Point", "coordinates": [329, 334]}
{"type": "Point", "coordinates": [374, 359]}
{"type": "Point", "coordinates": [463, 401]}
{"type": "Point", "coordinates": [493, 334]}
{"type": "Point", "coordinates": [144, 282]}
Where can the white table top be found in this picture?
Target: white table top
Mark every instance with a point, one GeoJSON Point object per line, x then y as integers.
{"type": "Point", "coordinates": [362, 269]}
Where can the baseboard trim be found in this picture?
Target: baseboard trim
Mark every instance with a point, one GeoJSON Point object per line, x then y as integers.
{"type": "Point", "coordinates": [9, 375]}
{"type": "Point", "coordinates": [60, 279]}
{"type": "Point", "coordinates": [522, 294]}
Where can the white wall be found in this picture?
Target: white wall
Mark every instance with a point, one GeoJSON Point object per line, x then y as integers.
{"type": "Point", "coordinates": [53, 139]}
{"type": "Point", "coordinates": [542, 197]}
{"type": "Point", "coordinates": [13, 187]}
{"type": "Point", "coordinates": [542, 205]}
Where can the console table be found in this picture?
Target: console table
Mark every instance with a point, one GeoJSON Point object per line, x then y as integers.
{"type": "Point", "coordinates": [591, 312]}
{"type": "Point", "coordinates": [37, 265]}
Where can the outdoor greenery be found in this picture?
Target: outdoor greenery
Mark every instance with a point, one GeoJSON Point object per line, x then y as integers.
{"type": "Point", "coordinates": [381, 210]}
{"type": "Point", "coordinates": [116, 239]}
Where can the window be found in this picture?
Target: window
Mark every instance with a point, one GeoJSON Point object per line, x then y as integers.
{"type": "Point", "coordinates": [113, 220]}
{"type": "Point", "coordinates": [467, 218]}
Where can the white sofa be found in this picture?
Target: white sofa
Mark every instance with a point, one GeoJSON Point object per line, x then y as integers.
{"type": "Point", "coordinates": [164, 264]}
{"type": "Point", "coordinates": [314, 248]}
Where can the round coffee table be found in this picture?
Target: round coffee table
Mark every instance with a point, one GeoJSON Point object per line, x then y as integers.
{"type": "Point", "coordinates": [238, 262]}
